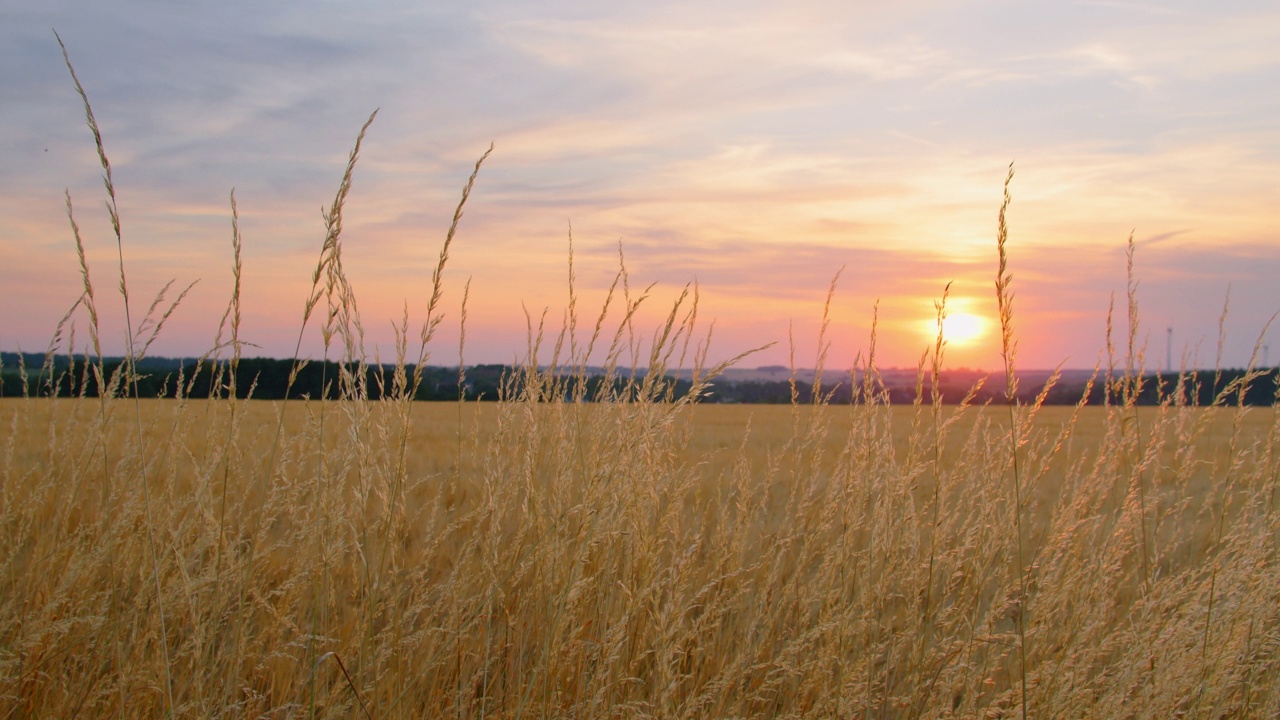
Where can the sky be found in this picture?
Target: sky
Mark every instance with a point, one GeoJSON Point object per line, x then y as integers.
{"type": "Point", "coordinates": [752, 150]}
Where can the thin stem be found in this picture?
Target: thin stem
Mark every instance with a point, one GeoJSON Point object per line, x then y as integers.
{"type": "Point", "coordinates": [1008, 353]}
{"type": "Point", "coordinates": [130, 371]}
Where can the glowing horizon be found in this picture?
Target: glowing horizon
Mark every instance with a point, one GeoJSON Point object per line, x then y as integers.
{"type": "Point", "coordinates": [752, 153]}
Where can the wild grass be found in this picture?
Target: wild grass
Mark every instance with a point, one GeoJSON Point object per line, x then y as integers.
{"type": "Point", "coordinates": [629, 552]}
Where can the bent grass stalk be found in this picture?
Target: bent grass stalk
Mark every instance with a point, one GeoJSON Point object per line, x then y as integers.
{"type": "Point", "coordinates": [333, 230]}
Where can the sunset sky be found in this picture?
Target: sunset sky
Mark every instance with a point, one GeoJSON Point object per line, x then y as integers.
{"type": "Point", "coordinates": [753, 148]}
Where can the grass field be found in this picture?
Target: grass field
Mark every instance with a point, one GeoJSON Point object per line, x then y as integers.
{"type": "Point", "coordinates": [665, 560]}
{"type": "Point", "coordinates": [640, 555]}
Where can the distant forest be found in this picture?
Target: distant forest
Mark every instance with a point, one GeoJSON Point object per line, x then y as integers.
{"type": "Point", "coordinates": [268, 379]}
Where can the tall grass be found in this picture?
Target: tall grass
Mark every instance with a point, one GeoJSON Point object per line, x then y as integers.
{"type": "Point", "coordinates": [617, 549]}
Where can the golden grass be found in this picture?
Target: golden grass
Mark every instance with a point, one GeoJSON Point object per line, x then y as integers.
{"type": "Point", "coordinates": [623, 559]}
{"type": "Point", "coordinates": [643, 555]}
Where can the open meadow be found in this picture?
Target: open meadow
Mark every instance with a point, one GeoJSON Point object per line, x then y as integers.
{"type": "Point", "coordinates": [664, 559]}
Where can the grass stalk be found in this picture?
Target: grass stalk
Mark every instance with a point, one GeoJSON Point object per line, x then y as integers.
{"type": "Point", "coordinates": [130, 372]}
{"type": "Point", "coordinates": [1008, 354]}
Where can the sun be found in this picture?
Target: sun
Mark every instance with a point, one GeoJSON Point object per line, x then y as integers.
{"type": "Point", "coordinates": [959, 329]}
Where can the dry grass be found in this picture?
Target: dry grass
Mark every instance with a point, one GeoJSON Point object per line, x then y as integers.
{"type": "Point", "coordinates": [632, 559]}
{"type": "Point", "coordinates": [638, 556]}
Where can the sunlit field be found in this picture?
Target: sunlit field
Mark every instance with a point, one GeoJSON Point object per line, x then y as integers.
{"type": "Point", "coordinates": [621, 549]}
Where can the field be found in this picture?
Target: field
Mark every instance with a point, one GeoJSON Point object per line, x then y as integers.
{"type": "Point", "coordinates": [619, 549]}
{"type": "Point", "coordinates": [661, 559]}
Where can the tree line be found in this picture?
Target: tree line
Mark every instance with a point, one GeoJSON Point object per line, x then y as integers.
{"type": "Point", "coordinates": [273, 379]}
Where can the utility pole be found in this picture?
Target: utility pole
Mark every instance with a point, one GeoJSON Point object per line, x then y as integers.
{"type": "Point", "coordinates": [1168, 350]}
